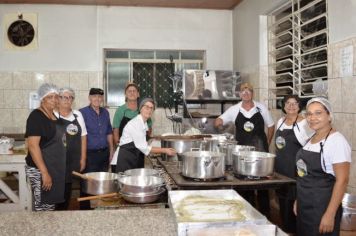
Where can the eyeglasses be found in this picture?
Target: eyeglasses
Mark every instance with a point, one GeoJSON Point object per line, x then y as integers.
{"type": "Point", "coordinates": [65, 98]}
{"type": "Point", "coordinates": [148, 107]}
{"type": "Point", "coordinates": [291, 104]}
{"type": "Point", "coordinates": [245, 91]}
{"type": "Point", "coordinates": [316, 114]}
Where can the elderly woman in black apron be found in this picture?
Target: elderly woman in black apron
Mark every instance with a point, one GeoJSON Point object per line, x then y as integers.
{"type": "Point", "coordinates": [323, 167]}
{"type": "Point", "coordinates": [133, 144]}
{"type": "Point", "coordinates": [46, 160]}
{"type": "Point", "coordinates": [76, 142]}
{"type": "Point", "coordinates": [123, 115]}
{"type": "Point", "coordinates": [292, 133]}
{"type": "Point", "coordinates": [250, 118]}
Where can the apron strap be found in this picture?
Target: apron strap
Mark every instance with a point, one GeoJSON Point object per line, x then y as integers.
{"type": "Point", "coordinates": [322, 149]}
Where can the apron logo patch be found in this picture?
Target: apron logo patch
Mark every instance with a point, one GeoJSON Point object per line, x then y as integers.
{"type": "Point", "coordinates": [64, 140]}
{"type": "Point", "coordinates": [72, 129]}
{"type": "Point", "coordinates": [248, 126]}
{"type": "Point", "coordinates": [280, 142]}
{"type": "Point", "coordinates": [301, 168]}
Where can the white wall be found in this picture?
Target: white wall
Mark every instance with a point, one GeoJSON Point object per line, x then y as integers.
{"type": "Point", "coordinates": [72, 38]}
{"type": "Point", "coordinates": [246, 34]}
{"type": "Point", "coordinates": [342, 19]}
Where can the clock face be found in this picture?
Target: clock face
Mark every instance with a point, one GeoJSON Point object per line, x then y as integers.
{"type": "Point", "coordinates": [21, 33]}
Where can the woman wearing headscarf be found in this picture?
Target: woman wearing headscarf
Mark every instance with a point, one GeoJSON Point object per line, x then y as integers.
{"type": "Point", "coordinates": [323, 167]}
{"type": "Point", "coordinates": [76, 142]}
{"type": "Point", "coordinates": [124, 114]}
{"type": "Point", "coordinates": [45, 161]}
{"type": "Point", "coordinates": [292, 133]}
{"type": "Point", "coordinates": [133, 144]}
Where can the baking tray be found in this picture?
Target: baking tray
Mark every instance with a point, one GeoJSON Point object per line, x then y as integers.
{"type": "Point", "coordinates": [211, 215]}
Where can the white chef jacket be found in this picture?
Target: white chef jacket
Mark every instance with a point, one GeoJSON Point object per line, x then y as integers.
{"type": "Point", "coordinates": [135, 131]}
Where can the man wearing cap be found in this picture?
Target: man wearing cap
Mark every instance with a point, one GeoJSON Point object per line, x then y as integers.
{"type": "Point", "coordinates": [99, 133]}
{"type": "Point", "coordinates": [133, 144]}
{"type": "Point", "coordinates": [250, 118]}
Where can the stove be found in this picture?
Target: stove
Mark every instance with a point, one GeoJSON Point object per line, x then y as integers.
{"type": "Point", "coordinates": [171, 171]}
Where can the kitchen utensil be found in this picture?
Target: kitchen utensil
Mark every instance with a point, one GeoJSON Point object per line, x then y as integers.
{"type": "Point", "coordinates": [253, 163]}
{"type": "Point", "coordinates": [140, 184]}
{"type": "Point", "coordinates": [348, 220]}
{"type": "Point", "coordinates": [142, 197]}
{"type": "Point", "coordinates": [229, 147]}
{"type": "Point", "coordinates": [180, 145]}
{"type": "Point", "coordinates": [97, 197]}
{"type": "Point", "coordinates": [140, 172]}
{"type": "Point", "coordinates": [203, 164]}
{"type": "Point", "coordinates": [100, 183]}
{"type": "Point", "coordinates": [83, 176]}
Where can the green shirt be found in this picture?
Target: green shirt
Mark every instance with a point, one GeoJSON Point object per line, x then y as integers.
{"type": "Point", "coordinates": [124, 110]}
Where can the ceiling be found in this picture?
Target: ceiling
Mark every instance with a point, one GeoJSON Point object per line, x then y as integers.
{"type": "Point", "coordinates": [204, 4]}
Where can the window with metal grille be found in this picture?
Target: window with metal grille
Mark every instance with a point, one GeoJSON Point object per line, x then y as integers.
{"type": "Point", "coordinates": [150, 70]}
{"type": "Point", "coordinates": [298, 38]}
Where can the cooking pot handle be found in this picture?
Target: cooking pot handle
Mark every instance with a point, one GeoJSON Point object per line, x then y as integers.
{"type": "Point", "coordinates": [194, 149]}
{"type": "Point", "coordinates": [207, 162]}
{"type": "Point", "coordinates": [216, 161]}
{"type": "Point", "coordinates": [121, 174]}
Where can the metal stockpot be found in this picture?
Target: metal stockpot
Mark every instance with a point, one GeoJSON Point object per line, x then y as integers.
{"type": "Point", "coordinates": [140, 172]}
{"type": "Point", "coordinates": [181, 146]}
{"type": "Point", "coordinates": [203, 164]}
{"type": "Point", "coordinates": [230, 148]}
{"type": "Point", "coordinates": [253, 163]}
{"type": "Point", "coordinates": [140, 184]}
{"type": "Point", "coordinates": [143, 198]}
{"type": "Point", "coordinates": [100, 183]}
{"type": "Point", "coordinates": [348, 220]}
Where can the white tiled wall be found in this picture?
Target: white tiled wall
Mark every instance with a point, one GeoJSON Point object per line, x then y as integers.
{"type": "Point", "coordinates": [15, 88]}
{"type": "Point", "coordinates": [343, 100]}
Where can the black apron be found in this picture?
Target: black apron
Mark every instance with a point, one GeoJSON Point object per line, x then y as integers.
{"type": "Point", "coordinates": [251, 131]}
{"type": "Point", "coordinates": [287, 146]}
{"type": "Point", "coordinates": [129, 157]}
{"type": "Point", "coordinates": [74, 144]}
{"type": "Point", "coordinates": [53, 155]}
{"type": "Point", "coordinates": [123, 123]}
{"type": "Point", "coordinates": [314, 190]}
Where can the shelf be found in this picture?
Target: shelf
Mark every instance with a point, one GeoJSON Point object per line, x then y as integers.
{"type": "Point", "coordinates": [283, 65]}
{"type": "Point", "coordinates": [282, 52]}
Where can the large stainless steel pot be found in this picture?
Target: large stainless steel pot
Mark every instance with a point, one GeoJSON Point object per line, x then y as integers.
{"type": "Point", "coordinates": [140, 184]}
{"type": "Point", "coordinates": [203, 164]}
{"type": "Point", "coordinates": [181, 146]}
{"type": "Point", "coordinates": [253, 163]}
{"type": "Point", "coordinates": [140, 172]}
{"type": "Point", "coordinates": [100, 183]}
{"type": "Point", "coordinates": [229, 148]}
{"type": "Point", "coordinates": [348, 220]}
{"type": "Point", "coordinates": [143, 197]}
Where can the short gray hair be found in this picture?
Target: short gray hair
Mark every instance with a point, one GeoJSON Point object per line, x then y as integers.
{"type": "Point", "coordinates": [68, 90]}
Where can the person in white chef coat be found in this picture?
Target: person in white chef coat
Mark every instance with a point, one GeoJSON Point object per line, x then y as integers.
{"type": "Point", "coordinates": [133, 144]}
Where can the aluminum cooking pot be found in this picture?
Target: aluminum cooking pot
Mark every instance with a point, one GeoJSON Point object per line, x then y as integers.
{"type": "Point", "coordinates": [143, 197]}
{"type": "Point", "coordinates": [140, 184]}
{"type": "Point", "coordinates": [348, 220]}
{"type": "Point", "coordinates": [203, 164]}
{"type": "Point", "coordinates": [253, 163]}
{"type": "Point", "coordinates": [181, 146]}
{"type": "Point", "coordinates": [100, 183]}
{"type": "Point", "coordinates": [230, 148]}
{"type": "Point", "coordinates": [140, 172]}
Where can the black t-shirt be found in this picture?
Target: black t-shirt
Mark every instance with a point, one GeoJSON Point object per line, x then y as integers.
{"type": "Point", "coordinates": [38, 124]}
